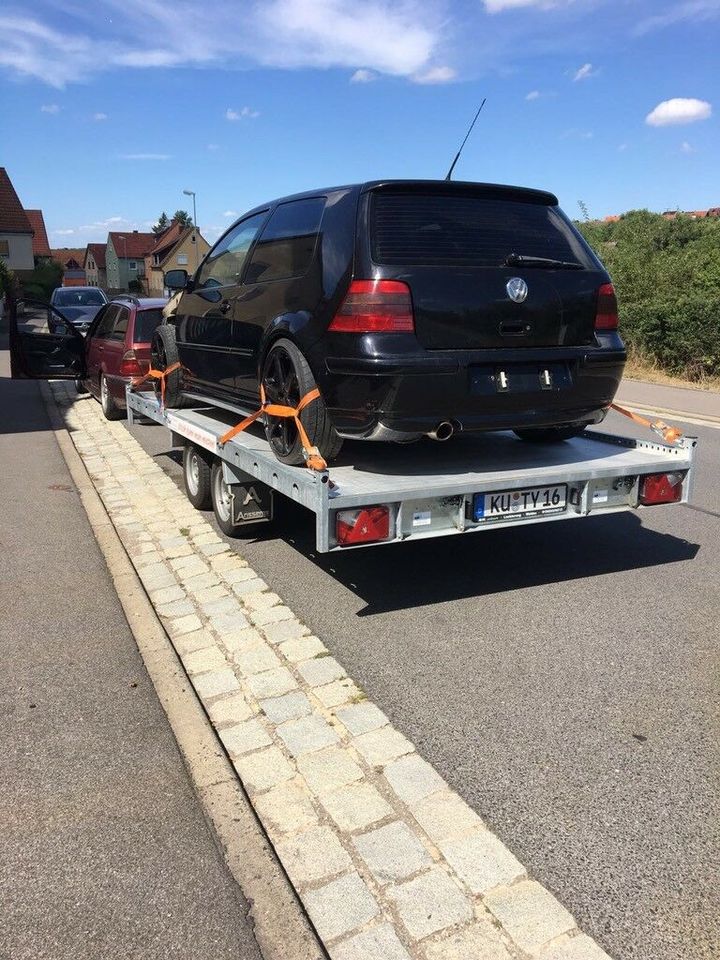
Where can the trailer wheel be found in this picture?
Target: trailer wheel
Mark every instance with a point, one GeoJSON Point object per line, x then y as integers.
{"type": "Point", "coordinates": [286, 378]}
{"type": "Point", "coordinates": [197, 476]}
{"type": "Point", "coordinates": [549, 434]}
{"type": "Point", "coordinates": [222, 500]}
{"type": "Point", "coordinates": [164, 353]}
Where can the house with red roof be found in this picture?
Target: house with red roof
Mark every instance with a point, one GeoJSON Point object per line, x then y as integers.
{"type": "Point", "coordinates": [40, 244]}
{"type": "Point", "coordinates": [95, 272]}
{"type": "Point", "coordinates": [175, 248]}
{"type": "Point", "coordinates": [125, 257]}
{"type": "Point", "coordinates": [16, 231]}
{"type": "Point", "coordinates": [71, 260]}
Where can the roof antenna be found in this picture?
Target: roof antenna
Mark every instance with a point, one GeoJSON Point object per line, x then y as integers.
{"type": "Point", "coordinates": [457, 155]}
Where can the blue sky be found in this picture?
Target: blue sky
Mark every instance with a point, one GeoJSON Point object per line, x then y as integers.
{"type": "Point", "coordinates": [109, 110]}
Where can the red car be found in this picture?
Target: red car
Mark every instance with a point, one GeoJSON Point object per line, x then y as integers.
{"type": "Point", "coordinates": [117, 349]}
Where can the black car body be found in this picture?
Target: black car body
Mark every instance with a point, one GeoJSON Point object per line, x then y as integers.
{"type": "Point", "coordinates": [415, 304]}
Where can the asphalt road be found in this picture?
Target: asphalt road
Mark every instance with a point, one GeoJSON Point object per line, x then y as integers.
{"type": "Point", "coordinates": [105, 851]}
{"type": "Point", "coordinates": [562, 678]}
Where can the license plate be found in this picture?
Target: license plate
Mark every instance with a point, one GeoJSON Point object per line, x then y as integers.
{"type": "Point", "coordinates": [516, 504]}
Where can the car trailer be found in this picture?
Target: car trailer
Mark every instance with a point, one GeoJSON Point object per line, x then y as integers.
{"type": "Point", "coordinates": [385, 493]}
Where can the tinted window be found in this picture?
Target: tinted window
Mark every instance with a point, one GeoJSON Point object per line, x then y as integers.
{"type": "Point", "coordinates": [467, 230]}
{"type": "Point", "coordinates": [145, 323]}
{"type": "Point", "coordinates": [121, 324]}
{"type": "Point", "coordinates": [223, 265]}
{"type": "Point", "coordinates": [287, 244]}
{"type": "Point", "coordinates": [105, 326]}
{"type": "Point", "coordinates": [78, 298]}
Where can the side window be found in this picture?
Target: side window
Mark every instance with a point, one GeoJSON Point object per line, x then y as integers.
{"type": "Point", "coordinates": [104, 328]}
{"type": "Point", "coordinates": [224, 264]}
{"type": "Point", "coordinates": [287, 244]}
{"type": "Point", "coordinates": [121, 324]}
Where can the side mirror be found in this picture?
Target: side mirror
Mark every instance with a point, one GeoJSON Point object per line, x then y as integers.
{"type": "Point", "coordinates": [176, 279]}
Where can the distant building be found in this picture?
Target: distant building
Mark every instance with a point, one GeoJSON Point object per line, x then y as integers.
{"type": "Point", "coordinates": [41, 246]}
{"type": "Point", "coordinates": [95, 272]}
{"type": "Point", "coordinates": [71, 259]}
{"type": "Point", "coordinates": [176, 248]}
{"type": "Point", "coordinates": [16, 231]}
{"type": "Point", "coordinates": [125, 257]}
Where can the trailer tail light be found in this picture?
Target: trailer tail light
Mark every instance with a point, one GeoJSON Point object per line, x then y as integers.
{"type": "Point", "coordinates": [661, 488]}
{"type": "Point", "coordinates": [364, 525]}
{"type": "Point", "coordinates": [375, 306]}
{"type": "Point", "coordinates": [130, 365]}
{"type": "Point", "coordinates": [606, 312]}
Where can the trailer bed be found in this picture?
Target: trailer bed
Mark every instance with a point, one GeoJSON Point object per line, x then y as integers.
{"type": "Point", "coordinates": [437, 489]}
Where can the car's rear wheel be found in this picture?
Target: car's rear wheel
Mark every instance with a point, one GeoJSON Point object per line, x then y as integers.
{"type": "Point", "coordinates": [197, 476]}
{"type": "Point", "coordinates": [109, 409]}
{"type": "Point", "coordinates": [549, 434]}
{"type": "Point", "coordinates": [163, 354]}
{"type": "Point", "coordinates": [286, 378]}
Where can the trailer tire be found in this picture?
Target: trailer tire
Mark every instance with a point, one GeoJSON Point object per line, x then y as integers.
{"type": "Point", "coordinates": [286, 378]}
{"type": "Point", "coordinates": [163, 354]}
{"type": "Point", "coordinates": [197, 473]}
{"type": "Point", "coordinates": [549, 434]}
{"type": "Point", "coordinates": [222, 501]}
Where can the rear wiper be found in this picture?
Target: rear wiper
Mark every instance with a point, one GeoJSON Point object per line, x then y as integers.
{"type": "Point", "coordinates": [518, 260]}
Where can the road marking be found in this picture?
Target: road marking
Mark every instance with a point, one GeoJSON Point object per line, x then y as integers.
{"type": "Point", "coordinates": [388, 861]}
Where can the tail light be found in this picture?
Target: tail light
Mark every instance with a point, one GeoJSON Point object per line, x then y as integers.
{"type": "Point", "coordinates": [130, 365]}
{"type": "Point", "coordinates": [606, 312]}
{"type": "Point", "coordinates": [365, 525]}
{"type": "Point", "coordinates": [375, 306]}
{"type": "Point", "coordinates": [661, 488]}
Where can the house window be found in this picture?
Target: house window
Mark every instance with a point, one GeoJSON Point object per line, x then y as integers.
{"type": "Point", "coordinates": [156, 260]}
{"type": "Point", "coordinates": [182, 259]}
{"type": "Point", "coordinates": [4, 248]}
{"type": "Point", "coordinates": [132, 265]}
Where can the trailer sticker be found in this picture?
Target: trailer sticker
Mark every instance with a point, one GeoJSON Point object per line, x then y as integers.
{"type": "Point", "coordinates": [422, 518]}
{"type": "Point", "coordinates": [203, 438]}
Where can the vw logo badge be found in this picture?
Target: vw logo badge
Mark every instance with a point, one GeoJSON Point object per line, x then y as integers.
{"type": "Point", "coordinates": [517, 289]}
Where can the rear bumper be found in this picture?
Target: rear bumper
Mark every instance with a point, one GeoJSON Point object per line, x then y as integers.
{"type": "Point", "coordinates": [411, 394]}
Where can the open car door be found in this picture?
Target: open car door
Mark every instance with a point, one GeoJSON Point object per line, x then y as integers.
{"type": "Point", "coordinates": [44, 345]}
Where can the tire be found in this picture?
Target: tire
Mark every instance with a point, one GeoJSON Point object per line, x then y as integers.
{"type": "Point", "coordinates": [109, 409]}
{"type": "Point", "coordinates": [197, 473]}
{"type": "Point", "coordinates": [549, 434]}
{"type": "Point", "coordinates": [286, 378]}
{"type": "Point", "coordinates": [221, 502]}
{"type": "Point", "coordinates": [163, 354]}
{"type": "Point", "coordinates": [80, 387]}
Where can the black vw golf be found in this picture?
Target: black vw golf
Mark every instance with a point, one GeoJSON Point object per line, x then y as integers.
{"type": "Point", "coordinates": [417, 308]}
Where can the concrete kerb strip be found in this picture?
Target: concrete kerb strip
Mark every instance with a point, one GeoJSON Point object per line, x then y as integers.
{"type": "Point", "coordinates": [388, 861]}
{"type": "Point", "coordinates": [280, 924]}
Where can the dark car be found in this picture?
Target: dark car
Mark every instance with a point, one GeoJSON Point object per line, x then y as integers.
{"type": "Point", "coordinates": [79, 304]}
{"type": "Point", "coordinates": [417, 308]}
{"type": "Point", "coordinates": [118, 349]}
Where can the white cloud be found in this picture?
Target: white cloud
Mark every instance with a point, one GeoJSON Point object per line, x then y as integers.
{"type": "Point", "coordinates": [100, 116]}
{"type": "Point", "coordinates": [694, 11]}
{"type": "Point", "coordinates": [686, 147]}
{"type": "Point", "coordinates": [377, 35]}
{"type": "Point", "coordinates": [678, 110]}
{"type": "Point", "coordinates": [62, 233]}
{"type": "Point", "coordinates": [436, 75]}
{"type": "Point", "coordinates": [49, 108]}
{"type": "Point", "coordinates": [363, 76]}
{"type": "Point", "coordinates": [584, 72]}
{"type": "Point", "coordinates": [575, 134]}
{"type": "Point", "coordinates": [249, 112]}
{"type": "Point", "coordinates": [230, 213]}
{"type": "Point", "coordinates": [145, 156]}
{"type": "Point", "coordinates": [231, 114]}
{"type": "Point", "coordinates": [498, 6]}
{"type": "Point", "coordinates": [533, 95]}
{"type": "Point", "coordinates": [213, 146]}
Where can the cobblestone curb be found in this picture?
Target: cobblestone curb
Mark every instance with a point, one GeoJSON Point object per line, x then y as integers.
{"type": "Point", "coordinates": [388, 861]}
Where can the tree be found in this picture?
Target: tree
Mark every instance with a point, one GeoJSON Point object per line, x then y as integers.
{"type": "Point", "coordinates": [46, 276]}
{"type": "Point", "coordinates": [183, 218]}
{"type": "Point", "coordinates": [162, 224]}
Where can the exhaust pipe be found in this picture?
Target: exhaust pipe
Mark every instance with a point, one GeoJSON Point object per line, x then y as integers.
{"type": "Point", "coordinates": [443, 431]}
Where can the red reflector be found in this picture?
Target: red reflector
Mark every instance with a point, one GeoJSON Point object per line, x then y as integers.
{"type": "Point", "coordinates": [660, 488]}
{"type": "Point", "coordinates": [130, 365]}
{"type": "Point", "coordinates": [375, 306]}
{"type": "Point", "coordinates": [366, 525]}
{"type": "Point", "coordinates": [606, 312]}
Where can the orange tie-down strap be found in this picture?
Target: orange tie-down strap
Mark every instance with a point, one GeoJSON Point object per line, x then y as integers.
{"type": "Point", "coordinates": [313, 458]}
{"type": "Point", "coordinates": [158, 375]}
{"type": "Point", "coordinates": [668, 433]}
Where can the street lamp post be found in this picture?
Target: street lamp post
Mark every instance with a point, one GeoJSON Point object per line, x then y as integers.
{"type": "Point", "coordinates": [191, 193]}
{"type": "Point", "coordinates": [127, 272]}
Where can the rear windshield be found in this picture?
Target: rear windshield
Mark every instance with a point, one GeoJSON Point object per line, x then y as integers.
{"type": "Point", "coordinates": [145, 323]}
{"type": "Point", "coordinates": [467, 230]}
{"type": "Point", "coordinates": [78, 298]}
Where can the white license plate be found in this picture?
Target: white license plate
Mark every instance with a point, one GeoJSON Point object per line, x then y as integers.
{"type": "Point", "coordinates": [511, 504]}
